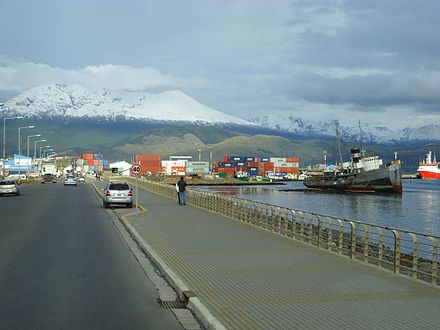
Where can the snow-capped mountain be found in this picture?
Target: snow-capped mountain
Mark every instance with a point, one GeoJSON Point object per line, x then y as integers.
{"type": "Point", "coordinates": [75, 101]}
{"type": "Point", "coordinates": [370, 134]}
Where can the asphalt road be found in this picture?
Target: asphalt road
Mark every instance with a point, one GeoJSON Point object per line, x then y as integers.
{"type": "Point", "coordinates": [64, 265]}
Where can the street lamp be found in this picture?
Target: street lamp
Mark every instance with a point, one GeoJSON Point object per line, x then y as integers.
{"type": "Point", "coordinates": [43, 147]}
{"type": "Point", "coordinates": [19, 137]}
{"type": "Point", "coordinates": [44, 152]}
{"type": "Point", "coordinates": [4, 133]}
{"type": "Point", "coordinates": [35, 147]}
{"type": "Point", "coordinates": [28, 137]}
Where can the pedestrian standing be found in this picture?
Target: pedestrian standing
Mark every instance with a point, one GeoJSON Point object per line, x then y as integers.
{"type": "Point", "coordinates": [182, 191]}
{"type": "Point", "coordinates": [178, 193]}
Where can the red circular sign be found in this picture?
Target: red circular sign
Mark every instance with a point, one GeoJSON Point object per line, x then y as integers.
{"type": "Point", "coordinates": [136, 169]}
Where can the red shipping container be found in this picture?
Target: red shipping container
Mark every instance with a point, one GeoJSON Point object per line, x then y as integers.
{"type": "Point", "coordinates": [147, 157]}
{"type": "Point", "coordinates": [292, 160]}
{"type": "Point", "coordinates": [291, 170]}
{"type": "Point", "coordinates": [252, 164]}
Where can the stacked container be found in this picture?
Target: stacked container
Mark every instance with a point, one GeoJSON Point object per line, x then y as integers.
{"type": "Point", "coordinates": [92, 162]}
{"type": "Point", "coordinates": [149, 163]}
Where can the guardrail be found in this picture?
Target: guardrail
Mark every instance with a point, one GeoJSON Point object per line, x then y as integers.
{"type": "Point", "coordinates": [400, 251]}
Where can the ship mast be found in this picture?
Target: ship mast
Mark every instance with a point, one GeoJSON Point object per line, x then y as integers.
{"type": "Point", "coordinates": [360, 140]}
{"type": "Point", "coordinates": [338, 141]}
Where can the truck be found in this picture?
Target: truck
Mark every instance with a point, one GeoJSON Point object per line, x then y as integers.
{"type": "Point", "coordinates": [49, 168]}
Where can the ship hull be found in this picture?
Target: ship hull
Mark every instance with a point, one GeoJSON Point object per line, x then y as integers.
{"type": "Point", "coordinates": [383, 180]}
{"type": "Point", "coordinates": [429, 175]}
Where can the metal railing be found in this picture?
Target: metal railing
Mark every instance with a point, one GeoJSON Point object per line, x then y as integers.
{"type": "Point", "coordinates": [400, 251]}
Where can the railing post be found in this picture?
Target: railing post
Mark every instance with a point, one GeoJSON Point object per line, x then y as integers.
{"type": "Point", "coordinates": [294, 234]}
{"type": "Point", "coordinates": [396, 258]}
{"type": "Point", "coordinates": [330, 233]}
{"type": "Point", "coordinates": [434, 260]}
{"type": "Point", "coordinates": [414, 254]}
{"type": "Point", "coordinates": [286, 222]}
{"type": "Point", "coordinates": [380, 254]}
{"type": "Point", "coordinates": [319, 230]}
{"type": "Point", "coordinates": [301, 230]}
{"type": "Point", "coordinates": [341, 237]}
{"type": "Point", "coordinates": [366, 242]}
{"type": "Point", "coordinates": [353, 240]}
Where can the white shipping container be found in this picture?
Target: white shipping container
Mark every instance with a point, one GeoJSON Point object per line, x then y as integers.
{"type": "Point", "coordinates": [286, 164]}
{"type": "Point", "coordinates": [278, 160]}
{"type": "Point", "coordinates": [197, 164]}
{"type": "Point", "coordinates": [169, 163]}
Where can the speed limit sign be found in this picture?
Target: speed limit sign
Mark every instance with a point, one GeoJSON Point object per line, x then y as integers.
{"type": "Point", "coordinates": [136, 169]}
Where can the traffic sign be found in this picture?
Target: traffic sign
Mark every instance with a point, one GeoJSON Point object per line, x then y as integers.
{"type": "Point", "coordinates": [136, 169]}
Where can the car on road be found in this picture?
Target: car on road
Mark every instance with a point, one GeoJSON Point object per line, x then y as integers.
{"type": "Point", "coordinates": [16, 177]}
{"type": "Point", "coordinates": [117, 193]}
{"type": "Point", "coordinates": [48, 178]}
{"type": "Point", "coordinates": [70, 180]}
{"type": "Point", "coordinates": [81, 179]}
{"type": "Point", "coordinates": [9, 187]}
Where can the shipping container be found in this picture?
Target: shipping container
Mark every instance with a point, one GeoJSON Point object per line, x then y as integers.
{"type": "Point", "coordinates": [277, 160]}
{"type": "Point", "coordinates": [252, 164]}
{"type": "Point", "coordinates": [249, 159]}
{"type": "Point", "coordinates": [236, 158]}
{"type": "Point", "coordinates": [281, 164]}
{"type": "Point", "coordinates": [292, 160]}
{"type": "Point", "coordinates": [291, 170]}
{"type": "Point", "coordinates": [197, 164]}
{"type": "Point", "coordinates": [147, 157]}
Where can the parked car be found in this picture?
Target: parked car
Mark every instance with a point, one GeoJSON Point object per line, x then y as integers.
{"type": "Point", "coordinates": [117, 193]}
{"type": "Point", "coordinates": [70, 180]}
{"type": "Point", "coordinates": [9, 187]}
{"type": "Point", "coordinates": [16, 177]}
{"type": "Point", "coordinates": [48, 178]}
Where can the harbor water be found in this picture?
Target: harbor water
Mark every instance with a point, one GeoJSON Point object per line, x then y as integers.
{"type": "Point", "coordinates": [417, 209]}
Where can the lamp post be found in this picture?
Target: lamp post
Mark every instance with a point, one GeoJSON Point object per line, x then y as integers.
{"type": "Point", "coordinates": [4, 133]}
{"type": "Point", "coordinates": [43, 147]}
{"type": "Point", "coordinates": [44, 152]}
{"type": "Point", "coordinates": [200, 155]}
{"type": "Point", "coordinates": [35, 147]}
{"type": "Point", "coordinates": [28, 137]}
{"type": "Point", "coordinates": [19, 137]}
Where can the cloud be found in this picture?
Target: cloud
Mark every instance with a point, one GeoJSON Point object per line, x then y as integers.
{"type": "Point", "coordinates": [19, 75]}
{"type": "Point", "coordinates": [323, 58]}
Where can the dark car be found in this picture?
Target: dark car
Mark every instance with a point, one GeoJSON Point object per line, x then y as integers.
{"type": "Point", "coordinates": [48, 178]}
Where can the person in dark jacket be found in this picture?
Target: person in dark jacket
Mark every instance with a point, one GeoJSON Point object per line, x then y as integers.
{"type": "Point", "coordinates": [182, 191]}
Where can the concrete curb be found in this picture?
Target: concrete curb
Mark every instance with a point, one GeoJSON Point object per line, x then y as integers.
{"type": "Point", "coordinates": [194, 303]}
{"type": "Point", "coordinates": [204, 315]}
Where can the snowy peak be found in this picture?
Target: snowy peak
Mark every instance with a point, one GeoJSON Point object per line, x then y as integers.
{"type": "Point", "coordinates": [75, 101]}
{"type": "Point", "coordinates": [370, 134]}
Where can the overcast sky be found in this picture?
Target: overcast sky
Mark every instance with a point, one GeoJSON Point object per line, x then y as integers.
{"type": "Point", "coordinates": [375, 61]}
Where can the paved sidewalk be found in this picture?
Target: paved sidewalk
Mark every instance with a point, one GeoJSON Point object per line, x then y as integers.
{"type": "Point", "coordinates": [249, 278]}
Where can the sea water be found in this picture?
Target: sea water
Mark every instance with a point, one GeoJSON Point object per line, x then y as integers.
{"type": "Point", "coordinates": [417, 209]}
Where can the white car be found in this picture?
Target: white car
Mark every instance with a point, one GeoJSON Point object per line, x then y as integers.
{"type": "Point", "coordinates": [16, 177]}
{"type": "Point", "coordinates": [70, 180]}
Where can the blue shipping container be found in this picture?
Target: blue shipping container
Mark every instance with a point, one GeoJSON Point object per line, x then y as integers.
{"type": "Point", "coordinates": [264, 159]}
{"type": "Point", "coordinates": [236, 158]}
